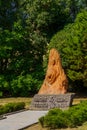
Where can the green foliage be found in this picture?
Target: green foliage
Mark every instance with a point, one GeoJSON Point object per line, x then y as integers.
{"type": "Point", "coordinates": [4, 86]}
{"type": "Point", "coordinates": [26, 27]}
{"type": "Point", "coordinates": [16, 62]}
{"type": "Point", "coordinates": [44, 18]}
{"type": "Point", "coordinates": [1, 94]}
{"type": "Point", "coordinates": [11, 107]}
{"type": "Point", "coordinates": [23, 42]}
{"type": "Point", "coordinates": [24, 85]}
{"type": "Point", "coordinates": [72, 117]}
{"type": "Point", "coordinates": [78, 114]}
{"type": "Point", "coordinates": [76, 6]}
{"type": "Point", "coordinates": [55, 118]}
{"type": "Point", "coordinates": [71, 42]}
{"type": "Point", "coordinates": [47, 16]}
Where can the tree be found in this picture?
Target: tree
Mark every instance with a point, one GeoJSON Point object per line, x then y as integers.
{"type": "Point", "coordinates": [43, 19]}
{"type": "Point", "coordinates": [76, 6]}
{"type": "Point", "coordinates": [72, 45]}
{"type": "Point", "coordinates": [26, 28]}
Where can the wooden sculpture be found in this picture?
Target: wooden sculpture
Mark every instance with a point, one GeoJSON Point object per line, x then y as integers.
{"type": "Point", "coordinates": [55, 80]}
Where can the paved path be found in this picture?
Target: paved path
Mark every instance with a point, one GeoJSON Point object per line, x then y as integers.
{"type": "Point", "coordinates": [21, 120]}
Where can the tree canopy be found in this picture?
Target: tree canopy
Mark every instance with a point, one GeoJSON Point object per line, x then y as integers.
{"type": "Point", "coordinates": [26, 28]}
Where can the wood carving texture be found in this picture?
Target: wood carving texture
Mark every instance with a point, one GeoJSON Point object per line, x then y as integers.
{"type": "Point", "coordinates": [55, 81]}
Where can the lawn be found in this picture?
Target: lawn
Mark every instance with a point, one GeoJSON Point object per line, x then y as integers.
{"type": "Point", "coordinates": [17, 99]}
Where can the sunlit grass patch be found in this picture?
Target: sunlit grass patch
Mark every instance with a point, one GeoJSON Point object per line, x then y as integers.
{"type": "Point", "coordinates": [17, 99]}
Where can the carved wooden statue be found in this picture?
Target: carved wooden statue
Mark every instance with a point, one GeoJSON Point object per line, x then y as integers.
{"type": "Point", "coordinates": [55, 80]}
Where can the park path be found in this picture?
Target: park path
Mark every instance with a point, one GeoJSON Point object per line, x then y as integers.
{"type": "Point", "coordinates": [21, 120]}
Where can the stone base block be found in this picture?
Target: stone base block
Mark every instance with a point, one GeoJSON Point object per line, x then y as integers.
{"type": "Point", "coordinates": [46, 102]}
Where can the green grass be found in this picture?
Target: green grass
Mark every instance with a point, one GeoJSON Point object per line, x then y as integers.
{"type": "Point", "coordinates": [18, 99]}
{"type": "Point", "coordinates": [77, 100]}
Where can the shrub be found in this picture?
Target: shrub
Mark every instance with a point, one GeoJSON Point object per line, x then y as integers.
{"type": "Point", "coordinates": [41, 120]}
{"type": "Point", "coordinates": [1, 110]}
{"type": "Point", "coordinates": [1, 93]}
{"type": "Point", "coordinates": [54, 119]}
{"type": "Point", "coordinates": [57, 121]}
{"type": "Point", "coordinates": [77, 116]}
{"type": "Point", "coordinates": [72, 117]}
{"type": "Point", "coordinates": [23, 85]}
{"type": "Point", "coordinates": [11, 107]}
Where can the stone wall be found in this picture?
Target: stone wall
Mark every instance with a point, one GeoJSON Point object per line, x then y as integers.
{"type": "Point", "coordinates": [46, 102]}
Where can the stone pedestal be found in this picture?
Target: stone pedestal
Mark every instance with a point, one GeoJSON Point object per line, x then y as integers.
{"type": "Point", "coordinates": [46, 102]}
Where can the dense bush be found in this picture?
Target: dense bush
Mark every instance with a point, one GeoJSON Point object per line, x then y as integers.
{"type": "Point", "coordinates": [77, 115]}
{"type": "Point", "coordinates": [22, 85]}
{"type": "Point", "coordinates": [11, 107]}
{"type": "Point", "coordinates": [55, 118]}
{"type": "Point", "coordinates": [18, 67]}
{"type": "Point", "coordinates": [72, 117]}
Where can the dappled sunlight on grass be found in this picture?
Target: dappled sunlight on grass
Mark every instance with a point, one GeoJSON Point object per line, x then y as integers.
{"type": "Point", "coordinates": [78, 100]}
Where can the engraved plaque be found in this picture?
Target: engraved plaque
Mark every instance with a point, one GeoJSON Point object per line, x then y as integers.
{"type": "Point", "coordinates": [46, 102]}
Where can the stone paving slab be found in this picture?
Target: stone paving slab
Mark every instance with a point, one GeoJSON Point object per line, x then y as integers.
{"type": "Point", "coordinates": [21, 120]}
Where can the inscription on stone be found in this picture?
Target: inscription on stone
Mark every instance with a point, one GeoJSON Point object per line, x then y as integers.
{"type": "Point", "coordinates": [46, 102]}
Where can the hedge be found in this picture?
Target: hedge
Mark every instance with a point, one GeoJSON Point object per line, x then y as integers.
{"type": "Point", "coordinates": [73, 117]}
{"type": "Point", "coordinates": [11, 107]}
